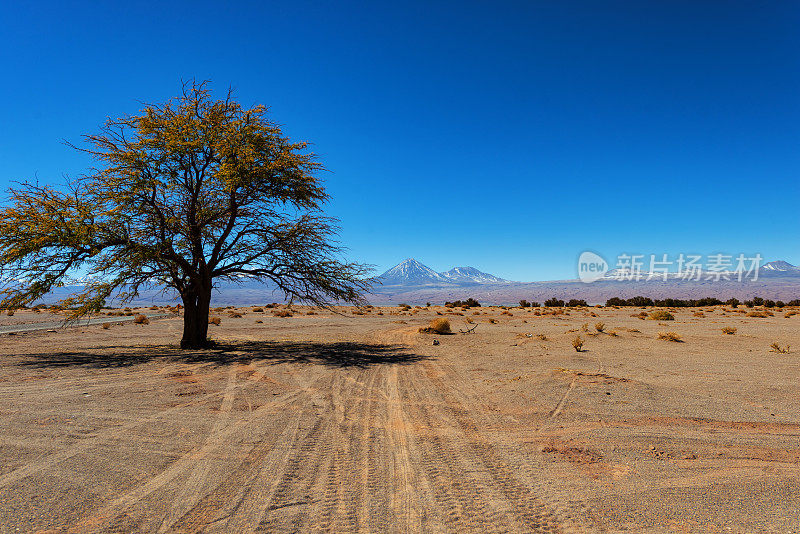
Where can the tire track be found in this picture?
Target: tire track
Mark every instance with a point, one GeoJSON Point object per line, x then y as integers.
{"type": "Point", "coordinates": [119, 508]}
{"type": "Point", "coordinates": [204, 471]}
{"type": "Point", "coordinates": [534, 499]}
{"type": "Point", "coordinates": [459, 482]}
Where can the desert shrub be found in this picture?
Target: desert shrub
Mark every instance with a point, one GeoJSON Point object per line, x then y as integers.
{"type": "Point", "coordinates": [585, 327]}
{"type": "Point", "coordinates": [141, 319]}
{"type": "Point", "coordinates": [216, 321]}
{"type": "Point", "coordinates": [469, 320]}
{"type": "Point", "coordinates": [493, 321]}
{"type": "Point", "coordinates": [577, 343]}
{"type": "Point", "coordinates": [757, 313]}
{"type": "Point", "coordinates": [790, 313]}
{"type": "Point", "coordinates": [612, 333]}
{"type": "Point", "coordinates": [469, 303]}
{"type": "Point", "coordinates": [775, 347]}
{"type": "Point", "coordinates": [730, 330]}
{"type": "Point", "coordinates": [258, 310]}
{"type": "Point", "coordinates": [10, 313]}
{"type": "Point", "coordinates": [524, 304]}
{"type": "Point", "coordinates": [259, 321]}
{"type": "Point", "coordinates": [535, 304]}
{"type": "Point", "coordinates": [312, 312]}
{"type": "Point", "coordinates": [733, 303]}
{"type": "Point", "coordinates": [669, 336]}
{"type": "Point", "coordinates": [506, 312]}
{"type": "Point", "coordinates": [282, 313]}
{"type": "Point", "coordinates": [574, 303]}
{"type": "Point", "coordinates": [542, 337]}
{"type": "Point", "coordinates": [599, 326]}
{"type": "Point", "coordinates": [106, 326]}
{"type": "Point", "coordinates": [554, 303]}
{"type": "Point", "coordinates": [235, 315]}
{"type": "Point", "coordinates": [439, 325]}
{"type": "Point", "coordinates": [699, 314]}
{"type": "Point", "coordinates": [662, 315]}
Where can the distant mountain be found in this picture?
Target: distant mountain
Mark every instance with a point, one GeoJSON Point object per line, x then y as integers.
{"type": "Point", "coordinates": [413, 282]}
{"type": "Point", "coordinates": [413, 273]}
{"type": "Point", "coordinates": [779, 266]}
{"type": "Point", "coordinates": [472, 275]}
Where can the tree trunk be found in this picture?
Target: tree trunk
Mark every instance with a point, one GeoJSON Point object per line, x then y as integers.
{"type": "Point", "coordinates": [195, 319]}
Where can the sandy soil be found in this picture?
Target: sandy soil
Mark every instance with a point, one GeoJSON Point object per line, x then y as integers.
{"type": "Point", "coordinates": [360, 423]}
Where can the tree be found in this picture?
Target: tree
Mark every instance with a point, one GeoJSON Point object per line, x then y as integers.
{"type": "Point", "coordinates": [187, 193]}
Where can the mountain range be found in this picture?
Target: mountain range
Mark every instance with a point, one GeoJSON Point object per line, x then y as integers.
{"type": "Point", "coordinates": [413, 273]}
{"type": "Point", "coordinates": [413, 282]}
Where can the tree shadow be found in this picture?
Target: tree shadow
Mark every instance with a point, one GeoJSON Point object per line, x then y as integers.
{"type": "Point", "coordinates": [338, 354]}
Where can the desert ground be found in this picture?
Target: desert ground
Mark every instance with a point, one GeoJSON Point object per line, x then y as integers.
{"type": "Point", "coordinates": [349, 422]}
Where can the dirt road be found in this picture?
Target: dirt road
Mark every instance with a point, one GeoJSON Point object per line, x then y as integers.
{"type": "Point", "coordinates": [364, 430]}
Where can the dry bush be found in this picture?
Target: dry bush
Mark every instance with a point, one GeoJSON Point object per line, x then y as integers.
{"type": "Point", "coordinates": [492, 321]}
{"type": "Point", "coordinates": [258, 310]}
{"type": "Point", "coordinates": [577, 343]}
{"type": "Point", "coordinates": [599, 326]}
{"type": "Point", "coordinates": [312, 312]}
{"type": "Point", "coordinates": [437, 326]}
{"type": "Point", "coordinates": [106, 326]}
{"type": "Point", "coordinates": [612, 333]}
{"type": "Point", "coordinates": [780, 350]}
{"type": "Point", "coordinates": [469, 320]}
{"type": "Point", "coordinates": [141, 319]}
{"type": "Point", "coordinates": [669, 336]}
{"type": "Point", "coordinates": [699, 314]}
{"type": "Point", "coordinates": [542, 337]}
{"type": "Point", "coordinates": [790, 313]}
{"type": "Point", "coordinates": [235, 315]}
{"type": "Point", "coordinates": [215, 321]}
{"type": "Point", "coordinates": [662, 315]}
{"type": "Point", "coordinates": [282, 313]}
{"type": "Point", "coordinates": [756, 313]}
{"type": "Point", "coordinates": [10, 313]}
{"type": "Point", "coordinates": [730, 330]}
{"type": "Point", "coordinates": [640, 315]}
{"type": "Point", "coordinates": [506, 312]}
{"type": "Point", "coordinates": [585, 327]}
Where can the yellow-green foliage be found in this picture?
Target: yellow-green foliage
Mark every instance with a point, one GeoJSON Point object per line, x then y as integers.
{"type": "Point", "coordinates": [662, 315]}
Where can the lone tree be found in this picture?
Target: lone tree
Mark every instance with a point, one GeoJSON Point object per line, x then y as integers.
{"type": "Point", "coordinates": [186, 194]}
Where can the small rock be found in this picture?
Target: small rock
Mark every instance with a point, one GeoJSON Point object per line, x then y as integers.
{"type": "Point", "coordinates": [435, 341]}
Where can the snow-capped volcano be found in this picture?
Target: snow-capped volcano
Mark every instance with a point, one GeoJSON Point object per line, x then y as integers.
{"type": "Point", "coordinates": [413, 273]}
{"type": "Point", "coordinates": [780, 266]}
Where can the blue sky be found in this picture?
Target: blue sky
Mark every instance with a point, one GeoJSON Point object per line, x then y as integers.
{"type": "Point", "coordinates": [507, 136]}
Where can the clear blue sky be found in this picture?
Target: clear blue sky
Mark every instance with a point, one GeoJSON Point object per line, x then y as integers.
{"type": "Point", "coordinates": [507, 136]}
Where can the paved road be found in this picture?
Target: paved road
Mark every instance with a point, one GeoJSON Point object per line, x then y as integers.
{"type": "Point", "coordinates": [56, 325]}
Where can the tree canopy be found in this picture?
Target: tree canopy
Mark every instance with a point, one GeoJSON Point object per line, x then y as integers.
{"type": "Point", "coordinates": [185, 194]}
